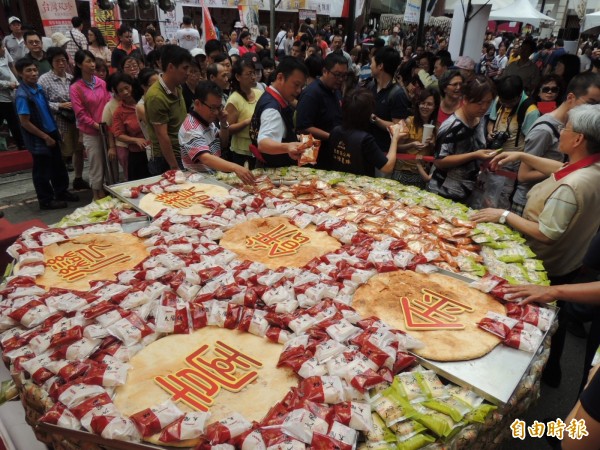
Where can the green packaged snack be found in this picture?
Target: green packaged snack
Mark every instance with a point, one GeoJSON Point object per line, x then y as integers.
{"type": "Point", "coordinates": [480, 413]}
{"type": "Point", "coordinates": [379, 432]}
{"type": "Point", "coordinates": [406, 429]}
{"type": "Point", "coordinates": [407, 385]}
{"type": "Point", "coordinates": [391, 406]}
{"type": "Point", "coordinates": [451, 406]}
{"type": "Point", "coordinates": [430, 384]}
{"type": "Point", "coordinates": [441, 424]}
{"type": "Point", "coordinates": [375, 392]}
{"type": "Point", "coordinates": [465, 395]}
{"type": "Point", "coordinates": [534, 264]}
{"type": "Point", "coordinates": [8, 391]}
{"type": "Point", "coordinates": [416, 442]}
{"type": "Point", "coordinates": [377, 446]}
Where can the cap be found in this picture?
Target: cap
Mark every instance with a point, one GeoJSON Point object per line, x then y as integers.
{"type": "Point", "coordinates": [254, 58]}
{"type": "Point", "coordinates": [13, 19]}
{"type": "Point", "coordinates": [465, 62]}
{"type": "Point", "coordinates": [59, 39]}
{"type": "Point", "coordinates": [238, 24]}
{"type": "Point", "coordinates": [197, 51]}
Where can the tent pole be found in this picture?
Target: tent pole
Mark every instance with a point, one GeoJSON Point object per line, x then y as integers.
{"type": "Point", "coordinates": [464, 34]}
{"type": "Point", "coordinates": [273, 33]}
{"type": "Point", "coordinates": [421, 29]}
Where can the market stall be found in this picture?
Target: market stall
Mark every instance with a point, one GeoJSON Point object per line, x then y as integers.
{"type": "Point", "coordinates": [245, 317]}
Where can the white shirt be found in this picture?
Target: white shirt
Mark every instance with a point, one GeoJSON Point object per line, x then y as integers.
{"type": "Point", "coordinates": [188, 38]}
{"type": "Point", "coordinates": [271, 126]}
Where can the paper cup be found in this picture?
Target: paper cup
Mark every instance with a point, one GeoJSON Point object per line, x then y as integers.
{"type": "Point", "coordinates": [427, 132]}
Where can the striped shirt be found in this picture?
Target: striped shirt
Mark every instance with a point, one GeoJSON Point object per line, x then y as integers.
{"type": "Point", "coordinates": [57, 91]}
{"type": "Point", "coordinates": [197, 137]}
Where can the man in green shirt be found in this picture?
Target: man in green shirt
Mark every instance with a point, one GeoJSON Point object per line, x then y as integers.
{"type": "Point", "coordinates": [165, 110]}
{"type": "Point", "coordinates": [33, 42]}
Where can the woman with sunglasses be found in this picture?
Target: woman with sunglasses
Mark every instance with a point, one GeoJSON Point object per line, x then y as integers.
{"type": "Point", "coordinates": [548, 93]}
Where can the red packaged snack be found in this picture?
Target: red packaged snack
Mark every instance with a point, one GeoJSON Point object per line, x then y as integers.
{"type": "Point", "coordinates": [356, 415]}
{"type": "Point", "coordinates": [497, 324]}
{"type": "Point", "coordinates": [310, 150]}
{"type": "Point", "coordinates": [65, 337]}
{"type": "Point", "coordinates": [524, 336]}
{"type": "Point", "coordinates": [366, 380]}
{"type": "Point", "coordinates": [59, 415]}
{"type": "Point", "coordinates": [324, 389]}
{"type": "Point", "coordinates": [151, 420]}
{"type": "Point", "coordinates": [190, 426]}
{"type": "Point", "coordinates": [323, 442]}
{"type": "Point", "coordinates": [226, 429]}
{"type": "Point", "coordinates": [114, 427]}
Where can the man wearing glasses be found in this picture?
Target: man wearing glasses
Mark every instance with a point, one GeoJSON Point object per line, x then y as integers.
{"type": "Point", "coordinates": [320, 105]}
{"type": "Point", "coordinates": [199, 138]}
{"type": "Point", "coordinates": [33, 42]}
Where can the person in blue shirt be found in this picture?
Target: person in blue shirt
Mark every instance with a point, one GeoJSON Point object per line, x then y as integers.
{"type": "Point", "coordinates": [42, 139]}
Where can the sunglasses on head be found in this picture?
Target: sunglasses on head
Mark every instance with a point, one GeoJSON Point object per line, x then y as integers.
{"type": "Point", "coordinates": [550, 90]}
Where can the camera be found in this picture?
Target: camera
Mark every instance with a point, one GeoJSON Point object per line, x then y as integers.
{"type": "Point", "coordinates": [499, 138]}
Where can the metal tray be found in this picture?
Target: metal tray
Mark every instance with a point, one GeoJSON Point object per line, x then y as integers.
{"type": "Point", "coordinates": [117, 189]}
{"type": "Point", "coordinates": [494, 376]}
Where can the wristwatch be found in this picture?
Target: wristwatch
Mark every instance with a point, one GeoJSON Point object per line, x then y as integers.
{"type": "Point", "coordinates": [373, 118]}
{"type": "Point", "coordinates": [503, 217]}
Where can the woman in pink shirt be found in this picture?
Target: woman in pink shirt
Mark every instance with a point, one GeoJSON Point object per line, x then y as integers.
{"type": "Point", "coordinates": [126, 128]}
{"type": "Point", "coordinates": [88, 97]}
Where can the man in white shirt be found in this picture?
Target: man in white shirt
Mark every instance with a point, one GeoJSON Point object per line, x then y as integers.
{"type": "Point", "coordinates": [14, 42]}
{"type": "Point", "coordinates": [187, 36]}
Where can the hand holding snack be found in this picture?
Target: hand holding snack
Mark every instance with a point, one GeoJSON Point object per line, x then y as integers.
{"type": "Point", "coordinates": [399, 128]}
{"type": "Point", "coordinates": [310, 149]}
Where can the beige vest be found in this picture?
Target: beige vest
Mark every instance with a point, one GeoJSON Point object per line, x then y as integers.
{"type": "Point", "coordinates": [566, 254]}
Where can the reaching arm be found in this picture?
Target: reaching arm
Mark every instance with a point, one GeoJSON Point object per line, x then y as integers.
{"type": "Point", "coordinates": [216, 163]}
{"type": "Point", "coordinates": [451, 161]}
{"type": "Point", "coordinates": [527, 174]}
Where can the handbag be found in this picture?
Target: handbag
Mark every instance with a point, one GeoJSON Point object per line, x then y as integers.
{"type": "Point", "coordinates": [67, 114]}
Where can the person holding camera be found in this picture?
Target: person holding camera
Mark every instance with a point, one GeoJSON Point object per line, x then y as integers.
{"type": "Point", "coordinates": [510, 117]}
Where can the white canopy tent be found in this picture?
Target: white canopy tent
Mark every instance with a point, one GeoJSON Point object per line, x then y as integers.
{"type": "Point", "coordinates": [592, 21]}
{"type": "Point", "coordinates": [520, 11]}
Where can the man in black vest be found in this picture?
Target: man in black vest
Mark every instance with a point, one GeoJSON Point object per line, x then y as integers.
{"type": "Point", "coordinates": [272, 131]}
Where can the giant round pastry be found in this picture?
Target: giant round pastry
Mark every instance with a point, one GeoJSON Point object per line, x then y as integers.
{"type": "Point", "coordinates": [440, 311]}
{"type": "Point", "coordinates": [200, 359]}
{"type": "Point", "coordinates": [276, 242]}
{"type": "Point", "coordinates": [187, 199]}
{"type": "Point", "coordinates": [72, 264]}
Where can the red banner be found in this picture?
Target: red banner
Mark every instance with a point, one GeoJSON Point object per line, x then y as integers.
{"type": "Point", "coordinates": [107, 21]}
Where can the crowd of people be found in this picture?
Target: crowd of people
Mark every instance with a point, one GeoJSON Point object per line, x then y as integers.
{"type": "Point", "coordinates": [515, 135]}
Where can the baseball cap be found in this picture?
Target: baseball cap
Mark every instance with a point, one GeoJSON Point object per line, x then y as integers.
{"type": "Point", "coordinates": [197, 51]}
{"type": "Point", "coordinates": [253, 57]}
{"type": "Point", "coordinates": [465, 62]}
{"type": "Point", "coordinates": [13, 19]}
